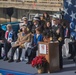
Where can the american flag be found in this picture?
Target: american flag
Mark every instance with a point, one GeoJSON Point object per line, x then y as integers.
{"type": "Point", "coordinates": [70, 15]}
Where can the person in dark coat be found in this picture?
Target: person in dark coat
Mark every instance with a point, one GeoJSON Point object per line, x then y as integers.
{"type": "Point", "coordinates": [66, 38]}
{"type": "Point", "coordinates": [72, 49]}
{"type": "Point", "coordinates": [66, 31]}
{"type": "Point", "coordinates": [26, 23]}
{"type": "Point", "coordinates": [2, 35]}
{"type": "Point", "coordinates": [57, 31]}
{"type": "Point", "coordinates": [46, 16]}
{"type": "Point", "coordinates": [57, 36]}
{"type": "Point", "coordinates": [35, 25]}
{"type": "Point", "coordinates": [74, 58]}
{"type": "Point", "coordinates": [48, 28]}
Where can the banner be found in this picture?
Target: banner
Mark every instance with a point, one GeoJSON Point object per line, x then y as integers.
{"type": "Point", "coordinates": [70, 15]}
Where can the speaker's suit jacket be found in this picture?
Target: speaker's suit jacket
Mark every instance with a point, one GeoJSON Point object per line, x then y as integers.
{"type": "Point", "coordinates": [56, 36]}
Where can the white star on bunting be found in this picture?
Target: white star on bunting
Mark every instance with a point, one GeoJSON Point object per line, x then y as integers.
{"type": "Point", "coordinates": [65, 11]}
{"type": "Point", "coordinates": [73, 16]}
{"type": "Point", "coordinates": [71, 25]}
{"type": "Point", "coordinates": [74, 5]}
{"type": "Point", "coordinates": [69, 2]}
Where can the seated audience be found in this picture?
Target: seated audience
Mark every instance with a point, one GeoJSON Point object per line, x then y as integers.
{"type": "Point", "coordinates": [10, 36]}
{"type": "Point", "coordinates": [31, 51]}
{"type": "Point", "coordinates": [35, 25]}
{"type": "Point", "coordinates": [48, 28]}
{"type": "Point", "coordinates": [25, 23]}
{"type": "Point", "coordinates": [2, 35]}
{"type": "Point", "coordinates": [23, 37]}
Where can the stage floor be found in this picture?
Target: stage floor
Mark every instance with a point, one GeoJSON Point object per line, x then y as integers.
{"type": "Point", "coordinates": [68, 68]}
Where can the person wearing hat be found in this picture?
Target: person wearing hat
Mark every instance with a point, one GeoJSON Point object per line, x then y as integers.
{"type": "Point", "coordinates": [35, 24]}
{"type": "Point", "coordinates": [37, 16]}
{"type": "Point", "coordinates": [57, 36]}
{"type": "Point", "coordinates": [55, 29]}
{"type": "Point", "coordinates": [25, 23]}
{"type": "Point", "coordinates": [23, 37]}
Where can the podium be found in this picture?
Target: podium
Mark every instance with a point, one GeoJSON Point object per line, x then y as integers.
{"type": "Point", "coordinates": [51, 53]}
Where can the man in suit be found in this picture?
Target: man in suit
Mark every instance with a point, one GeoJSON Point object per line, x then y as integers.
{"type": "Point", "coordinates": [35, 25]}
{"type": "Point", "coordinates": [23, 37]}
{"type": "Point", "coordinates": [26, 23]}
{"type": "Point", "coordinates": [57, 36]}
{"type": "Point", "coordinates": [2, 34]}
{"type": "Point", "coordinates": [10, 36]}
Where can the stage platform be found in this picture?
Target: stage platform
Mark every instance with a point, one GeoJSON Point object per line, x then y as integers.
{"type": "Point", "coordinates": [22, 68]}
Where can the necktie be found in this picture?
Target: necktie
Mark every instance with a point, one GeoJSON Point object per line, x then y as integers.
{"type": "Point", "coordinates": [6, 35]}
{"type": "Point", "coordinates": [66, 32]}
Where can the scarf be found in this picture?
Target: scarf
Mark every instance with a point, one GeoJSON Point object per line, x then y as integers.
{"type": "Point", "coordinates": [8, 36]}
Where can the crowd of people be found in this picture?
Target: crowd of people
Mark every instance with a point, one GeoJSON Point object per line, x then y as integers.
{"type": "Point", "coordinates": [40, 29]}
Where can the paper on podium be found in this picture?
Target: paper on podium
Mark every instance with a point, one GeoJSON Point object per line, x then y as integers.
{"type": "Point", "coordinates": [42, 48]}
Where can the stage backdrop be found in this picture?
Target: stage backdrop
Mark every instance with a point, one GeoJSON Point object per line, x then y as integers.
{"type": "Point", "coordinates": [70, 15]}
